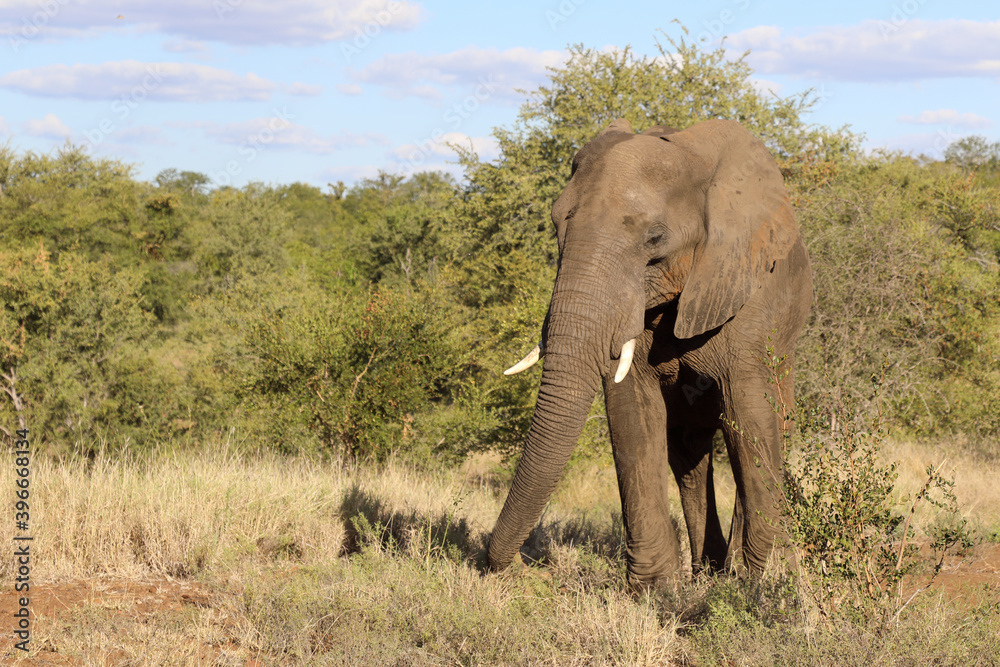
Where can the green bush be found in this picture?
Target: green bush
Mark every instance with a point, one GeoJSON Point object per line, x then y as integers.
{"type": "Point", "coordinates": [851, 546]}
{"type": "Point", "coordinates": [358, 368]}
{"type": "Point", "coordinates": [904, 261]}
{"type": "Point", "coordinates": [68, 328]}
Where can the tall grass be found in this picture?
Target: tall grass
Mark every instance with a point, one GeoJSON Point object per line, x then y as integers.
{"type": "Point", "coordinates": [310, 562]}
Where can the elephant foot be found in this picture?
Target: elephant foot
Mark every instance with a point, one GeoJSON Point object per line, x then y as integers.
{"type": "Point", "coordinates": [640, 587]}
{"type": "Point", "coordinates": [648, 578]}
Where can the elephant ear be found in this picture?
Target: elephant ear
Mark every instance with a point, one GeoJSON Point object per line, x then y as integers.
{"type": "Point", "coordinates": [748, 223]}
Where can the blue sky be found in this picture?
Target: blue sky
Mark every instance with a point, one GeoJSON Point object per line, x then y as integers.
{"type": "Point", "coordinates": [326, 90]}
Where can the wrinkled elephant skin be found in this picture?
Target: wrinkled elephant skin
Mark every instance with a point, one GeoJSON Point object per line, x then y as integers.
{"type": "Point", "coordinates": [681, 248]}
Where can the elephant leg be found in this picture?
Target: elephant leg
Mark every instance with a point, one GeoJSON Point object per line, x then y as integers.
{"type": "Point", "coordinates": [638, 422]}
{"type": "Point", "coordinates": [690, 451]}
{"type": "Point", "coordinates": [753, 437]}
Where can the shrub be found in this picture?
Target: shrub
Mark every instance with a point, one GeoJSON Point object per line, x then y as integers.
{"type": "Point", "coordinates": [850, 544]}
{"type": "Point", "coordinates": [357, 368]}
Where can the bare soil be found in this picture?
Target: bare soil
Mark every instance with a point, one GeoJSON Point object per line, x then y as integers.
{"type": "Point", "coordinates": [121, 606]}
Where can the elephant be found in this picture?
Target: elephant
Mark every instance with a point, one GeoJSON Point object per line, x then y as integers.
{"type": "Point", "coordinates": [681, 267]}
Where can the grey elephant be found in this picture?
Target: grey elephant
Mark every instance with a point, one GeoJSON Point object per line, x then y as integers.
{"type": "Point", "coordinates": [679, 258]}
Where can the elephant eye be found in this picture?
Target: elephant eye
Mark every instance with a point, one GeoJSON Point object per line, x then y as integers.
{"type": "Point", "coordinates": [655, 236]}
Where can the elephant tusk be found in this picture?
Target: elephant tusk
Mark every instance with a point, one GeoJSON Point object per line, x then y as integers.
{"type": "Point", "coordinates": [527, 362]}
{"type": "Point", "coordinates": [625, 360]}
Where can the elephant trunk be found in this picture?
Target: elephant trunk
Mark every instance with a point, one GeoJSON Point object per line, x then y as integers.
{"type": "Point", "coordinates": [564, 400]}
{"type": "Point", "coordinates": [578, 338]}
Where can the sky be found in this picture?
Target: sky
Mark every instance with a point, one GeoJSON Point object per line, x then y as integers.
{"type": "Point", "coordinates": [320, 91]}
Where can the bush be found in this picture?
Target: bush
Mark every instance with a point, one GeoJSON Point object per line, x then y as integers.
{"type": "Point", "coordinates": [851, 547]}
{"type": "Point", "coordinates": [68, 329]}
{"type": "Point", "coordinates": [904, 261]}
{"type": "Point", "coordinates": [357, 368]}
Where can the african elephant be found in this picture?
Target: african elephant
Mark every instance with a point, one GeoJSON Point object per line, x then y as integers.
{"type": "Point", "coordinates": [679, 257]}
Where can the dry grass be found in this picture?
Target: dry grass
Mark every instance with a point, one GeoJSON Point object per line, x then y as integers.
{"type": "Point", "coordinates": [179, 514]}
{"type": "Point", "coordinates": [281, 573]}
{"type": "Point", "coordinates": [976, 488]}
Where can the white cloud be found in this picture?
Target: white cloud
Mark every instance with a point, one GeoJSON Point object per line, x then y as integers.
{"type": "Point", "coordinates": [136, 81]}
{"type": "Point", "coordinates": [483, 72]}
{"type": "Point", "coordinates": [49, 127]}
{"type": "Point", "coordinates": [280, 132]}
{"type": "Point", "coordinates": [184, 46]}
{"type": "Point", "coordinates": [948, 117]}
{"type": "Point", "coordinates": [244, 22]}
{"type": "Point", "coordinates": [350, 89]}
{"type": "Point", "coordinates": [876, 50]}
{"type": "Point", "coordinates": [416, 156]}
{"type": "Point", "coordinates": [304, 90]}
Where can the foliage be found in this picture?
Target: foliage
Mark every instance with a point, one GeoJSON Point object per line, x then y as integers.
{"type": "Point", "coordinates": [920, 247]}
{"type": "Point", "coordinates": [356, 368]}
{"type": "Point", "coordinates": [71, 336]}
{"type": "Point", "coordinates": [225, 310]}
{"type": "Point", "coordinates": [851, 546]}
{"type": "Point", "coordinates": [974, 152]}
{"type": "Point", "coordinates": [243, 232]}
{"type": "Point", "coordinates": [401, 225]}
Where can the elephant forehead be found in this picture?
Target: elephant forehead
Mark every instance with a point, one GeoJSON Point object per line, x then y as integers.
{"type": "Point", "coordinates": [630, 169]}
{"type": "Point", "coordinates": [620, 190]}
{"type": "Point", "coordinates": [623, 202]}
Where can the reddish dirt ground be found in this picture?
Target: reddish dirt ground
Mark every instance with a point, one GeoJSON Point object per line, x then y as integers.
{"type": "Point", "coordinates": [962, 579]}
{"type": "Point", "coordinates": [133, 600]}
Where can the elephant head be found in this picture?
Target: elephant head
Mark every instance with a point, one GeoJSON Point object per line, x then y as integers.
{"type": "Point", "coordinates": [694, 218]}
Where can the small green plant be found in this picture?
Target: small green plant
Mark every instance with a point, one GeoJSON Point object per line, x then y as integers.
{"type": "Point", "coordinates": [852, 547]}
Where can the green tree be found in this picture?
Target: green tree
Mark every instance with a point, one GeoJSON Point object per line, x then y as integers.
{"type": "Point", "coordinates": [974, 152]}
{"type": "Point", "coordinates": [191, 183]}
{"type": "Point", "coordinates": [905, 266]}
{"type": "Point", "coordinates": [402, 224]}
{"type": "Point", "coordinates": [69, 328]}
{"type": "Point", "coordinates": [242, 232]}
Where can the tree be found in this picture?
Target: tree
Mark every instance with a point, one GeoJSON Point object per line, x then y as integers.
{"type": "Point", "coordinates": [974, 152]}
{"type": "Point", "coordinates": [67, 327]}
{"type": "Point", "coordinates": [508, 200]}
{"type": "Point", "coordinates": [402, 224]}
{"type": "Point", "coordinates": [188, 182]}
